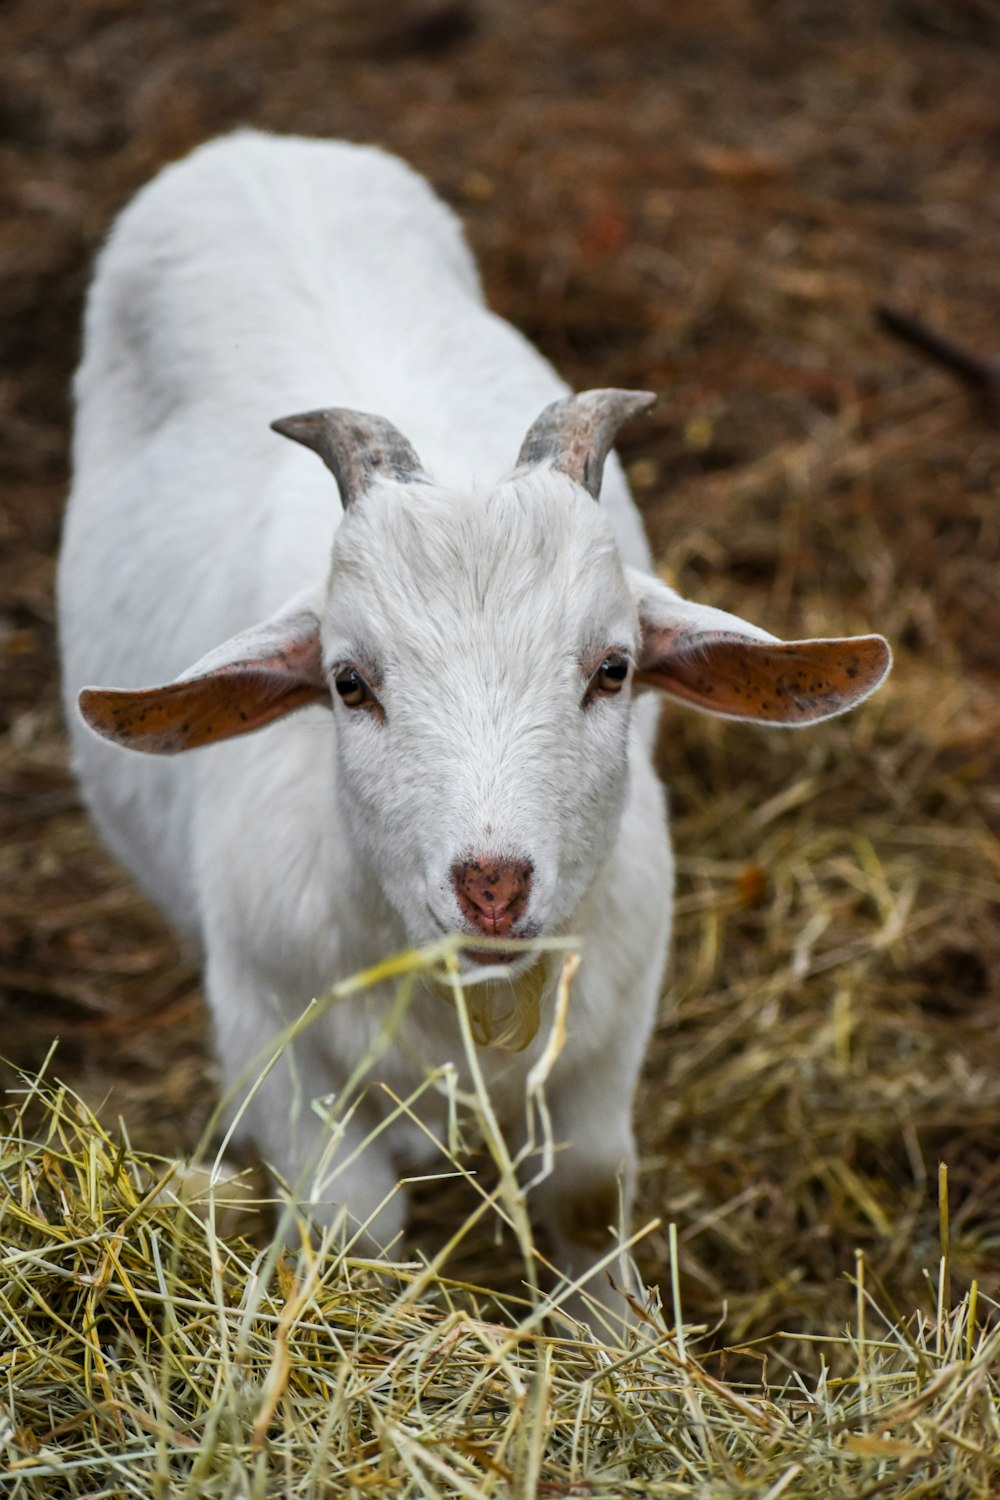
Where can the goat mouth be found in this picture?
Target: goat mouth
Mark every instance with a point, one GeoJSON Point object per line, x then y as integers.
{"type": "Point", "coordinates": [485, 957]}
{"type": "Point", "coordinates": [489, 956]}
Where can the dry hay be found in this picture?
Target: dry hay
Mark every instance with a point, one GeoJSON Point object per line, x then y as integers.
{"type": "Point", "coordinates": [146, 1354]}
{"type": "Point", "coordinates": [708, 200]}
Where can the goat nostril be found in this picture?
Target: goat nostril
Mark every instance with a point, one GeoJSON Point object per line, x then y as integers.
{"type": "Point", "coordinates": [492, 894]}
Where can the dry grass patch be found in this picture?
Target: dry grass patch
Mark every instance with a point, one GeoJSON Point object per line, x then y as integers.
{"type": "Point", "coordinates": [145, 1354]}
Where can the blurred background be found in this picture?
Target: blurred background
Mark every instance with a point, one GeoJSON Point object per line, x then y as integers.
{"type": "Point", "coordinates": [707, 199]}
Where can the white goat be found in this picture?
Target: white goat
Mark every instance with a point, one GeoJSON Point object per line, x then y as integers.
{"type": "Point", "coordinates": [468, 757]}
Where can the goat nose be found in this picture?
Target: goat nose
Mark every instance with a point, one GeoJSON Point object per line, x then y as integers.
{"type": "Point", "coordinates": [492, 893]}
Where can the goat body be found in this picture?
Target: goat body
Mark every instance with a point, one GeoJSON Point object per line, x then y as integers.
{"type": "Point", "coordinates": [462, 643]}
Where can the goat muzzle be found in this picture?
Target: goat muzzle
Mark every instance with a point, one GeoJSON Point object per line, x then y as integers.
{"type": "Point", "coordinates": [493, 894]}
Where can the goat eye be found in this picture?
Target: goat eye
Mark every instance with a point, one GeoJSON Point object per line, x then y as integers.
{"type": "Point", "coordinates": [352, 688]}
{"type": "Point", "coordinates": [611, 674]}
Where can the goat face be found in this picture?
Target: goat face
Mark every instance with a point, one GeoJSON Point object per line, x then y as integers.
{"type": "Point", "coordinates": [481, 648]}
{"type": "Point", "coordinates": [479, 651]}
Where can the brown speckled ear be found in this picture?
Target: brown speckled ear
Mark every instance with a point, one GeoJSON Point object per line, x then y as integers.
{"type": "Point", "coordinates": [770, 682]}
{"type": "Point", "coordinates": [257, 677]}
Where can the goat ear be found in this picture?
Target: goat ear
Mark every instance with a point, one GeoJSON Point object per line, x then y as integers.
{"type": "Point", "coordinates": [254, 678]}
{"type": "Point", "coordinates": [723, 665]}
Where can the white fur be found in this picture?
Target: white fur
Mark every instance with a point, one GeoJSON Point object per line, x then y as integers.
{"type": "Point", "coordinates": [268, 276]}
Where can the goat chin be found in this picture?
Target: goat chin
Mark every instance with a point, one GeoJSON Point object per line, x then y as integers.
{"type": "Point", "coordinates": [505, 1011]}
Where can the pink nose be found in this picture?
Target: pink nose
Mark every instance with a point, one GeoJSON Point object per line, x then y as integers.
{"type": "Point", "coordinates": [492, 893]}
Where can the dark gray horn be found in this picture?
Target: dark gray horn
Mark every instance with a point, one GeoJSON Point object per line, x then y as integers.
{"type": "Point", "coordinates": [577, 433]}
{"type": "Point", "coordinates": [356, 447]}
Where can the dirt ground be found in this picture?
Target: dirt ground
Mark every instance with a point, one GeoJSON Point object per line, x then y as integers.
{"type": "Point", "coordinates": [706, 199]}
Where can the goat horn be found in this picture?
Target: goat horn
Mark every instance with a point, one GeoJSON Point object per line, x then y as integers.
{"type": "Point", "coordinates": [356, 447]}
{"type": "Point", "coordinates": [577, 432]}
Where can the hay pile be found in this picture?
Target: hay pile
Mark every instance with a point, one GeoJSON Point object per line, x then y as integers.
{"type": "Point", "coordinates": [146, 1355]}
